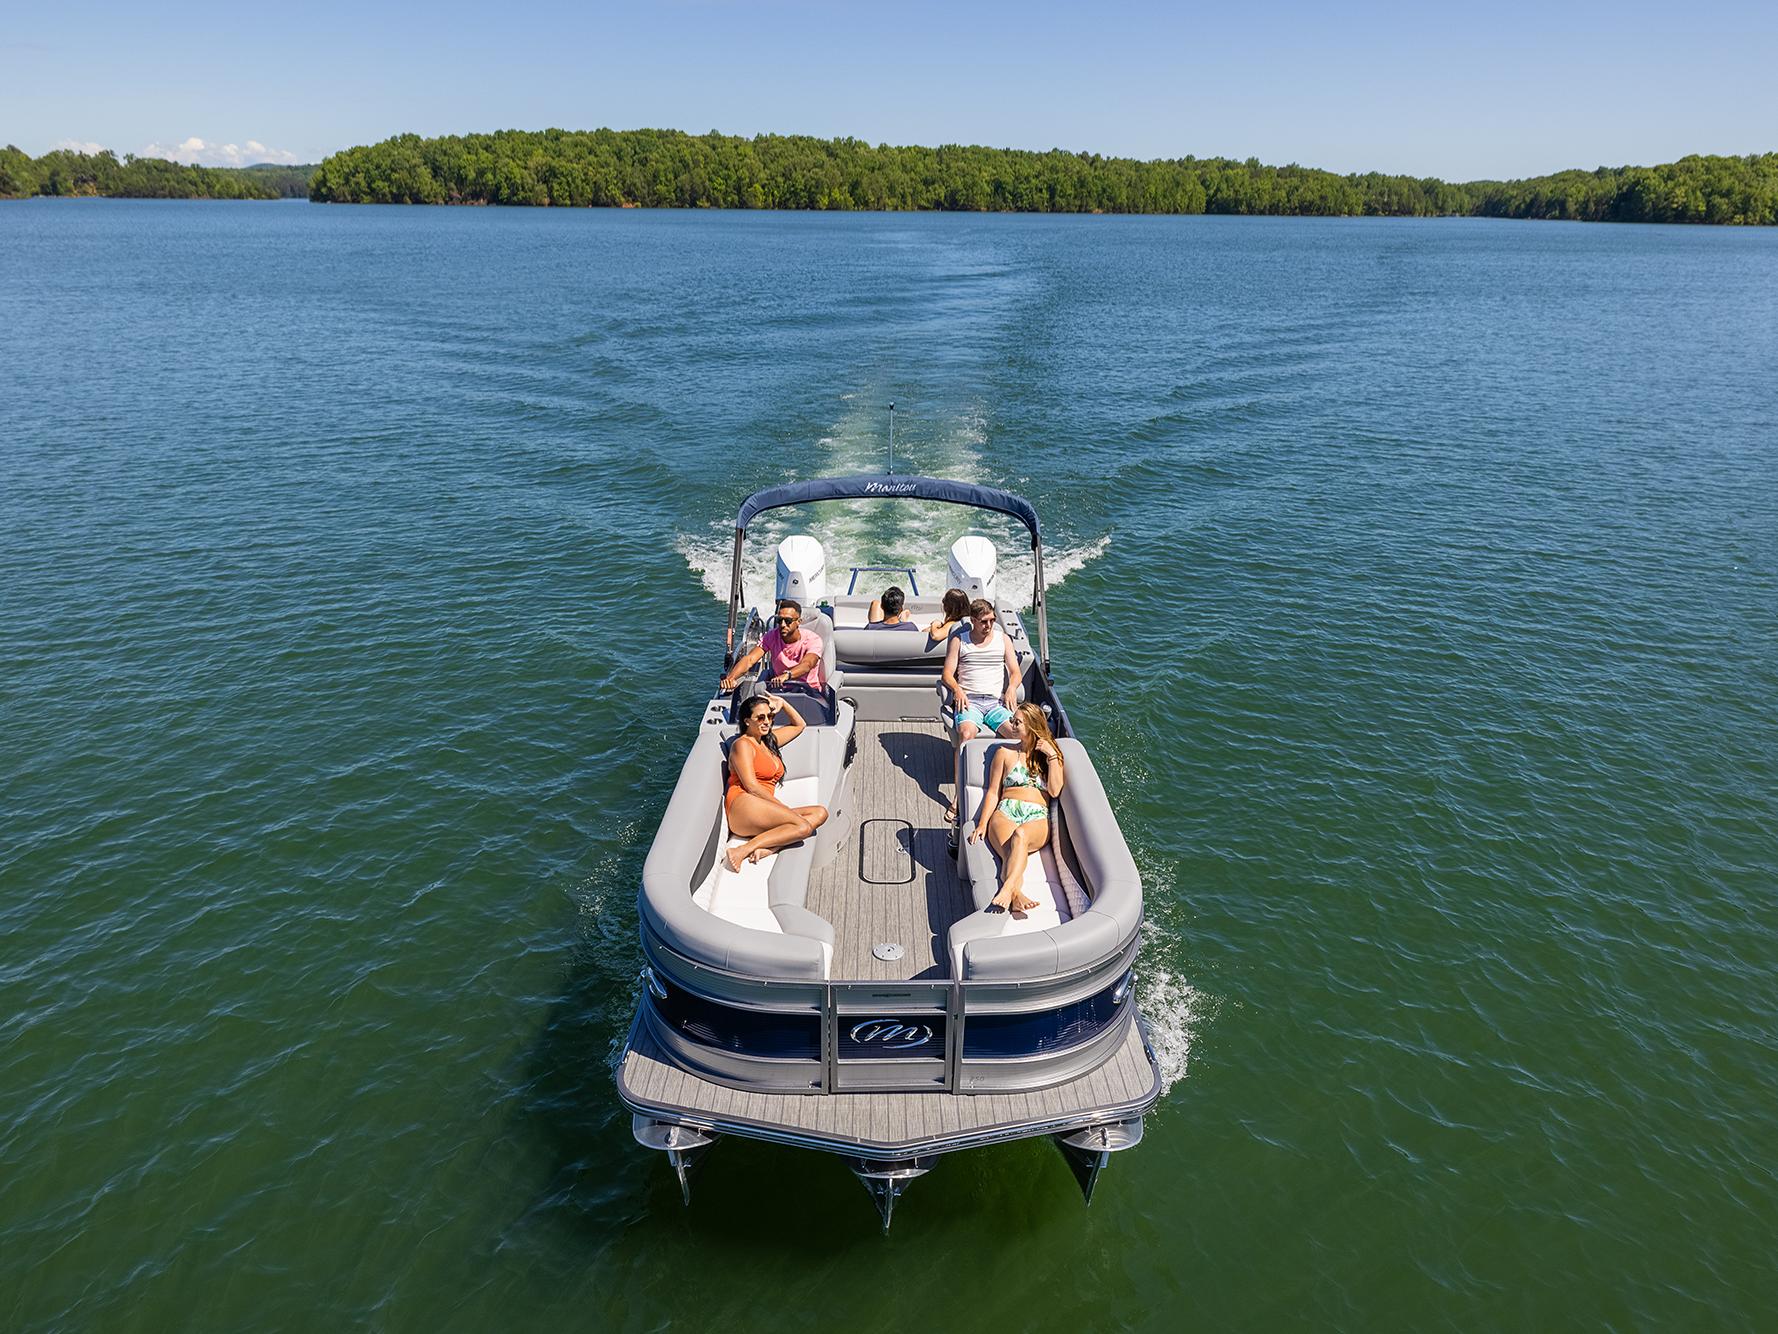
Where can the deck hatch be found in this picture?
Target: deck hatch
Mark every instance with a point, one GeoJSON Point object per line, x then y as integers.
{"type": "Point", "coordinates": [886, 852]}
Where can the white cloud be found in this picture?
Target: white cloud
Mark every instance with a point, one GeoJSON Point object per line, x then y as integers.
{"type": "Point", "coordinates": [205, 153]}
{"type": "Point", "coordinates": [76, 146]}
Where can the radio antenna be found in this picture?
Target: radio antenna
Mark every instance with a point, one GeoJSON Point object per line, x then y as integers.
{"type": "Point", "coordinates": [892, 439]}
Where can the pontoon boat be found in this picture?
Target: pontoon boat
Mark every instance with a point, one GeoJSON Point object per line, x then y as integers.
{"type": "Point", "coordinates": [850, 994]}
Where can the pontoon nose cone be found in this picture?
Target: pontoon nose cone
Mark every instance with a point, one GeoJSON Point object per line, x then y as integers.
{"type": "Point", "coordinates": [684, 1146]}
{"type": "Point", "coordinates": [1088, 1149]}
{"type": "Point", "coordinates": [886, 1180]}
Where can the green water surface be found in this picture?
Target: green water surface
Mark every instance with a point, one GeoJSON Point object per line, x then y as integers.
{"type": "Point", "coordinates": [1419, 602]}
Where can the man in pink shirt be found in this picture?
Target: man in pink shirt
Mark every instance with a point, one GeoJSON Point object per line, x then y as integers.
{"type": "Point", "coordinates": [792, 653]}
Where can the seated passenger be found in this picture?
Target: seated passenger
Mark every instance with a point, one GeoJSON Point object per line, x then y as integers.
{"type": "Point", "coordinates": [982, 674]}
{"type": "Point", "coordinates": [794, 654]}
{"type": "Point", "coordinates": [1015, 811]}
{"type": "Point", "coordinates": [956, 611]}
{"type": "Point", "coordinates": [755, 769]}
{"type": "Point", "coordinates": [888, 614]}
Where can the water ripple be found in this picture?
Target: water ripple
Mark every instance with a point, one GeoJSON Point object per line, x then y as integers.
{"type": "Point", "coordinates": [359, 581]}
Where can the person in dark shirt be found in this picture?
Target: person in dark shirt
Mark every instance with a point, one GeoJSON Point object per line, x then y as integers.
{"type": "Point", "coordinates": [886, 613]}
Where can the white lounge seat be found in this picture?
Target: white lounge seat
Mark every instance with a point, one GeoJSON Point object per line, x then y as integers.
{"type": "Point", "coordinates": [744, 897]}
{"type": "Point", "coordinates": [1059, 896]}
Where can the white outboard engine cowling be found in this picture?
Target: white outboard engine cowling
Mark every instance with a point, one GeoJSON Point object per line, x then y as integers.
{"type": "Point", "coordinates": [802, 571]}
{"type": "Point", "coordinates": [972, 566]}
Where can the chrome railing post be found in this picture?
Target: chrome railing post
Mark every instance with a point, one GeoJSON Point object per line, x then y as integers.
{"type": "Point", "coordinates": [830, 1040]}
{"type": "Point", "coordinates": [954, 1038]}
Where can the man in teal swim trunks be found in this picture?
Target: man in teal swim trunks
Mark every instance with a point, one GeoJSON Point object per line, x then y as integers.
{"type": "Point", "coordinates": [982, 674]}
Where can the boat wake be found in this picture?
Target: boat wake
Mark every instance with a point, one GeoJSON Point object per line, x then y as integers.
{"type": "Point", "coordinates": [1175, 1011]}
{"type": "Point", "coordinates": [1058, 563]}
{"type": "Point", "coordinates": [912, 546]}
{"type": "Point", "coordinates": [914, 537]}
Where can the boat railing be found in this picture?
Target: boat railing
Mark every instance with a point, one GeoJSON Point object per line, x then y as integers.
{"type": "Point", "coordinates": [920, 1035]}
{"type": "Point", "coordinates": [913, 589]}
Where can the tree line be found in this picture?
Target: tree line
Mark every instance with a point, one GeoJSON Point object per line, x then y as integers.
{"type": "Point", "coordinates": [670, 169]}
{"type": "Point", "coordinates": [64, 172]}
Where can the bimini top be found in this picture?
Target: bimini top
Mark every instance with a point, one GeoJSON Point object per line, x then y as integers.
{"type": "Point", "coordinates": [888, 486]}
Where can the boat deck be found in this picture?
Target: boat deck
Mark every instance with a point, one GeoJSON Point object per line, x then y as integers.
{"type": "Point", "coordinates": [892, 1124]}
{"type": "Point", "coordinates": [894, 878]}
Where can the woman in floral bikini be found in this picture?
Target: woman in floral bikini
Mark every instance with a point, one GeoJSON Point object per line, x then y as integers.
{"type": "Point", "coordinates": [1015, 813]}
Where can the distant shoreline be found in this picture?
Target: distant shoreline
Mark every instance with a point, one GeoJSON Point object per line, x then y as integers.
{"type": "Point", "coordinates": [670, 169]}
{"type": "Point", "coordinates": [64, 175]}
{"type": "Point", "coordinates": [799, 212]}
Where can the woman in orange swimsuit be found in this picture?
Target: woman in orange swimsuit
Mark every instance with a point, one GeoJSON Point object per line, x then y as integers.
{"type": "Point", "coordinates": [755, 769]}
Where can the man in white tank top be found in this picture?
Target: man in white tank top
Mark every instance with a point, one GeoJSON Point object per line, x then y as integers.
{"type": "Point", "coordinates": [982, 674]}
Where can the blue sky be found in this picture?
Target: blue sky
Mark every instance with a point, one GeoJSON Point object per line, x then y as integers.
{"type": "Point", "coordinates": [1509, 89]}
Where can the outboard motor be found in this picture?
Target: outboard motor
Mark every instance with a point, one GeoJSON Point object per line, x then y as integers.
{"type": "Point", "coordinates": [972, 566]}
{"type": "Point", "coordinates": [802, 571]}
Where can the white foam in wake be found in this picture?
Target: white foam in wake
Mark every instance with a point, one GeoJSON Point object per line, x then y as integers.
{"type": "Point", "coordinates": [1058, 563]}
{"type": "Point", "coordinates": [708, 555]}
{"type": "Point", "coordinates": [863, 532]}
{"type": "Point", "coordinates": [921, 542]}
{"type": "Point", "coordinates": [1176, 1011]}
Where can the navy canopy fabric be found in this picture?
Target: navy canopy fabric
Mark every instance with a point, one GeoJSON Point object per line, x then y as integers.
{"type": "Point", "coordinates": [885, 486]}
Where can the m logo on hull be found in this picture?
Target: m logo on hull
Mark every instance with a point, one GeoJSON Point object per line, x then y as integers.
{"type": "Point", "coordinates": [891, 1034]}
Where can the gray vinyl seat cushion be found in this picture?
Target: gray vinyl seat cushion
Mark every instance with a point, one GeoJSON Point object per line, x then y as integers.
{"type": "Point", "coordinates": [690, 838]}
{"type": "Point", "coordinates": [1087, 829]}
{"type": "Point", "coordinates": [817, 620]}
{"type": "Point", "coordinates": [889, 648]}
{"type": "Point", "coordinates": [853, 610]}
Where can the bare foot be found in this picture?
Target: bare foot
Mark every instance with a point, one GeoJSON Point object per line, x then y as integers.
{"type": "Point", "coordinates": [728, 859]}
{"type": "Point", "coordinates": [757, 855]}
{"type": "Point", "coordinates": [1022, 904]}
{"type": "Point", "coordinates": [1001, 902]}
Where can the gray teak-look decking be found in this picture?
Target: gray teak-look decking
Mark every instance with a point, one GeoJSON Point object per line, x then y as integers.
{"type": "Point", "coordinates": [902, 1122]}
{"type": "Point", "coordinates": [894, 878]}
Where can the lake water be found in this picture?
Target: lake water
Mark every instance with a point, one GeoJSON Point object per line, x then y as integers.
{"type": "Point", "coordinates": [1420, 603]}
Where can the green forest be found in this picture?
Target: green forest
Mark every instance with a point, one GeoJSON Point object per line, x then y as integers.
{"type": "Point", "coordinates": [670, 169]}
{"type": "Point", "coordinates": [68, 173]}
